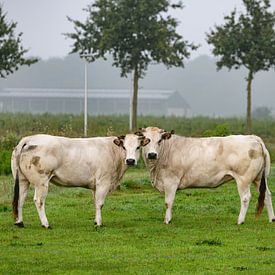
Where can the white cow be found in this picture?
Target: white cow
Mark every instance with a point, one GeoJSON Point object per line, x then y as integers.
{"type": "Point", "coordinates": [92, 163]}
{"type": "Point", "coordinates": [177, 162]}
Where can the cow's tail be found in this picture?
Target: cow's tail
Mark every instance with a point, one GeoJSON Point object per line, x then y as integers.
{"type": "Point", "coordinates": [15, 167]}
{"type": "Point", "coordinates": [263, 184]}
{"type": "Point", "coordinates": [15, 196]}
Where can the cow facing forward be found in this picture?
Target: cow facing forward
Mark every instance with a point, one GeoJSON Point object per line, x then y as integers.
{"type": "Point", "coordinates": [177, 162]}
{"type": "Point", "coordinates": [93, 163]}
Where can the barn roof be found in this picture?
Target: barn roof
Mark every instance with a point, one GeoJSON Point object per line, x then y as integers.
{"type": "Point", "coordinates": [93, 93]}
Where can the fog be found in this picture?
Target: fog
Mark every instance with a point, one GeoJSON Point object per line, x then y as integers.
{"type": "Point", "coordinates": [207, 91]}
{"type": "Point", "coordinates": [43, 22]}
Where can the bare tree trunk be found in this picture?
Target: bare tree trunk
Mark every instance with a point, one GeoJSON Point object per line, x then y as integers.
{"type": "Point", "coordinates": [248, 110]}
{"type": "Point", "coordinates": [134, 101]}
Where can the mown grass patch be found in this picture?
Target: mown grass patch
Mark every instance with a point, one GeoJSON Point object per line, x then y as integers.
{"type": "Point", "coordinates": [202, 238]}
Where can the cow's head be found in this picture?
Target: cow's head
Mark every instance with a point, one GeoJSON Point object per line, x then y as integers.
{"type": "Point", "coordinates": [156, 136]}
{"type": "Point", "coordinates": [131, 144]}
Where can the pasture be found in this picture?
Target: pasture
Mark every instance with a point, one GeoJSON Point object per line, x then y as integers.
{"type": "Point", "coordinates": [202, 238]}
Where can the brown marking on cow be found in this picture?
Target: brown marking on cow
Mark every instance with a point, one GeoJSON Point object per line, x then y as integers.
{"type": "Point", "coordinates": [35, 160]}
{"type": "Point", "coordinates": [55, 152]}
{"type": "Point", "coordinates": [47, 172]}
{"type": "Point", "coordinates": [31, 147]}
{"type": "Point", "coordinates": [166, 205]}
{"type": "Point", "coordinates": [42, 171]}
{"type": "Point", "coordinates": [253, 154]}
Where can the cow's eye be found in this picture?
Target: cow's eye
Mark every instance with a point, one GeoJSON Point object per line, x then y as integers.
{"type": "Point", "coordinates": [159, 142]}
{"type": "Point", "coordinates": [123, 147]}
{"type": "Point", "coordinates": [138, 147]}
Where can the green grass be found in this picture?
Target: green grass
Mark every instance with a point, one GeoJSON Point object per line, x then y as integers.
{"type": "Point", "coordinates": [203, 237]}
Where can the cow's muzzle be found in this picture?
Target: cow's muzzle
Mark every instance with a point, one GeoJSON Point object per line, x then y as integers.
{"type": "Point", "coordinates": [152, 155]}
{"type": "Point", "coordinates": [130, 161]}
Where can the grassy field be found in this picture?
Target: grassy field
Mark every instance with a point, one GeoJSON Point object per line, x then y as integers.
{"type": "Point", "coordinates": [202, 238]}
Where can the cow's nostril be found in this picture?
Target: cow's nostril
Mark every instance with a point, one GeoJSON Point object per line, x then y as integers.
{"type": "Point", "coordinates": [130, 161]}
{"type": "Point", "coordinates": [152, 156]}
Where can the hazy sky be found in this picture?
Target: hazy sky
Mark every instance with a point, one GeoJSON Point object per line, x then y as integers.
{"type": "Point", "coordinates": [43, 22]}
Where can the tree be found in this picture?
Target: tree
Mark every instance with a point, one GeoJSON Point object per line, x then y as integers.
{"type": "Point", "coordinates": [246, 40]}
{"type": "Point", "coordinates": [11, 50]}
{"type": "Point", "coordinates": [262, 113]}
{"type": "Point", "coordinates": [135, 33]}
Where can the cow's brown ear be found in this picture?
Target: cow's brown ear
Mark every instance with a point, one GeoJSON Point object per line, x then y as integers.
{"type": "Point", "coordinates": [118, 141]}
{"type": "Point", "coordinates": [139, 133]}
{"type": "Point", "coordinates": [145, 141]}
{"type": "Point", "coordinates": [166, 135]}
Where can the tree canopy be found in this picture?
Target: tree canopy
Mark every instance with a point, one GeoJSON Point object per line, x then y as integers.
{"type": "Point", "coordinates": [135, 33]}
{"type": "Point", "coordinates": [246, 40]}
{"type": "Point", "coordinates": [11, 50]}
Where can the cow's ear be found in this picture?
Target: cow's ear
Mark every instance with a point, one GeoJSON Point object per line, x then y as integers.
{"type": "Point", "coordinates": [139, 133]}
{"type": "Point", "coordinates": [167, 135]}
{"type": "Point", "coordinates": [117, 142]}
{"type": "Point", "coordinates": [145, 141]}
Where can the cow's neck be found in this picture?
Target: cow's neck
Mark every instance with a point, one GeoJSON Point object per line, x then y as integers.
{"type": "Point", "coordinates": [156, 165]}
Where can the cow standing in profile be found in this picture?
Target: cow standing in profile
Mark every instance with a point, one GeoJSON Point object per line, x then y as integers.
{"type": "Point", "coordinates": [177, 162]}
{"type": "Point", "coordinates": [93, 163]}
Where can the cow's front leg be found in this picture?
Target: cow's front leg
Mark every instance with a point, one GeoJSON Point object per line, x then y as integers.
{"type": "Point", "coordinates": [170, 192]}
{"type": "Point", "coordinates": [99, 197]}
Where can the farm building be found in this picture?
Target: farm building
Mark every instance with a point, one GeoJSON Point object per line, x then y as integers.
{"type": "Point", "coordinates": [100, 101]}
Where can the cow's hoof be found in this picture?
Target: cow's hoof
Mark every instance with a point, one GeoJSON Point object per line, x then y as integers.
{"type": "Point", "coordinates": [167, 222]}
{"type": "Point", "coordinates": [273, 220]}
{"type": "Point", "coordinates": [98, 227]}
{"type": "Point", "coordinates": [20, 224]}
{"type": "Point", "coordinates": [240, 223]}
{"type": "Point", "coordinates": [47, 227]}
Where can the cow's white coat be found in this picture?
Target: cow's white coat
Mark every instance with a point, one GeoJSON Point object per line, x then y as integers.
{"type": "Point", "coordinates": [94, 163]}
{"type": "Point", "coordinates": [177, 162]}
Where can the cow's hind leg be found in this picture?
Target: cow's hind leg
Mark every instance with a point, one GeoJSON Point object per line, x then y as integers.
{"type": "Point", "coordinates": [170, 193]}
{"type": "Point", "coordinates": [100, 194]}
{"type": "Point", "coordinates": [23, 192]}
{"type": "Point", "coordinates": [268, 204]}
{"type": "Point", "coordinates": [245, 196]}
{"type": "Point", "coordinates": [41, 191]}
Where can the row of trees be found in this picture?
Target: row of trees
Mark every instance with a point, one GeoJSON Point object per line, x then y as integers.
{"type": "Point", "coordinates": [138, 32]}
